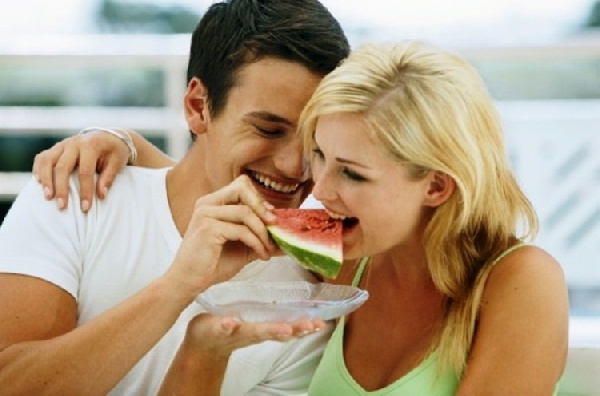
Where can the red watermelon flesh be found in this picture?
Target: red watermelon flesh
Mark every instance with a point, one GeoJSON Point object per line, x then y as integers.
{"type": "Point", "coordinates": [310, 236]}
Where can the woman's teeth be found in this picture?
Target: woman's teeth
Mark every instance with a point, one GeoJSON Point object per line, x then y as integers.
{"type": "Point", "coordinates": [347, 222]}
{"type": "Point", "coordinates": [335, 216]}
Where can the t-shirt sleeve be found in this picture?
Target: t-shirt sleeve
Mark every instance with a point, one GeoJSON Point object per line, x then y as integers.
{"type": "Point", "coordinates": [37, 239]}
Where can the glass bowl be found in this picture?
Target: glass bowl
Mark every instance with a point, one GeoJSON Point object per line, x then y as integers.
{"type": "Point", "coordinates": [281, 301]}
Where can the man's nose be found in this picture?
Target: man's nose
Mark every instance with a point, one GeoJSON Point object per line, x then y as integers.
{"type": "Point", "coordinates": [290, 160]}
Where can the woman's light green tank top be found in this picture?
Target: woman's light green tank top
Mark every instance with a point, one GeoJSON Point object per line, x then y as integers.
{"type": "Point", "coordinates": [332, 377]}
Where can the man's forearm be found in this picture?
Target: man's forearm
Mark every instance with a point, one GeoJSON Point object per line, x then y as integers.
{"type": "Point", "coordinates": [194, 373]}
{"type": "Point", "coordinates": [93, 358]}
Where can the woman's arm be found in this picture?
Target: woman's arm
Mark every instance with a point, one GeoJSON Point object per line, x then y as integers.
{"type": "Point", "coordinates": [148, 155]}
{"type": "Point", "coordinates": [521, 341]}
{"type": "Point", "coordinates": [91, 153]}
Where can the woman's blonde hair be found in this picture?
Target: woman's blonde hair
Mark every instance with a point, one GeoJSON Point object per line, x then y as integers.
{"type": "Point", "coordinates": [431, 111]}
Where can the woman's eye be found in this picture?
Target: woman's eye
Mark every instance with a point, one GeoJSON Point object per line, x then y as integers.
{"type": "Point", "coordinates": [350, 174]}
{"type": "Point", "coordinates": [353, 175]}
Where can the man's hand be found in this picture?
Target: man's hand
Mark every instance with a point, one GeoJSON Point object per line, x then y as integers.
{"type": "Point", "coordinates": [91, 153]}
{"type": "Point", "coordinates": [219, 336]}
{"type": "Point", "coordinates": [227, 230]}
{"type": "Point", "coordinates": [200, 364]}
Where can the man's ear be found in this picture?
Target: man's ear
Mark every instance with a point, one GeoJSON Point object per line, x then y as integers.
{"type": "Point", "coordinates": [195, 106]}
{"type": "Point", "coordinates": [440, 188]}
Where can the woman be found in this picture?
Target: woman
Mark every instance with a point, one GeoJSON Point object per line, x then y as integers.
{"type": "Point", "coordinates": [406, 146]}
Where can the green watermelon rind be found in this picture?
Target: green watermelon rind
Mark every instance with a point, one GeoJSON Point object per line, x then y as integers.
{"type": "Point", "coordinates": [320, 259]}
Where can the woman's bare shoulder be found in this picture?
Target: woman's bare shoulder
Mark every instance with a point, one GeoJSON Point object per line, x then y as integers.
{"type": "Point", "coordinates": [528, 266]}
{"type": "Point", "coordinates": [521, 335]}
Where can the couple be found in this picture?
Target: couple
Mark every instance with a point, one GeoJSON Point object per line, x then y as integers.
{"type": "Point", "coordinates": [402, 138]}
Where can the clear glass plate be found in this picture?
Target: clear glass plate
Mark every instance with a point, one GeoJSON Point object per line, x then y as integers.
{"type": "Point", "coordinates": [281, 301]}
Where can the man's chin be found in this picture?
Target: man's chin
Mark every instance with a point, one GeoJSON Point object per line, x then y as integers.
{"type": "Point", "coordinates": [306, 189]}
{"type": "Point", "coordinates": [288, 203]}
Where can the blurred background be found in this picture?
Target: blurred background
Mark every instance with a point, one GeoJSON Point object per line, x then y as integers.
{"type": "Point", "coordinates": [122, 63]}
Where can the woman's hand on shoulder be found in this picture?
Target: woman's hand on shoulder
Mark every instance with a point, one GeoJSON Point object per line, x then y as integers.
{"type": "Point", "coordinates": [521, 340]}
{"type": "Point", "coordinates": [89, 153]}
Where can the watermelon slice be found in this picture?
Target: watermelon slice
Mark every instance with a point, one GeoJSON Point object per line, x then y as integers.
{"type": "Point", "coordinates": [311, 237]}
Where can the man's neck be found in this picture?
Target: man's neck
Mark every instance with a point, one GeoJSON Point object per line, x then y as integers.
{"type": "Point", "coordinates": [185, 184]}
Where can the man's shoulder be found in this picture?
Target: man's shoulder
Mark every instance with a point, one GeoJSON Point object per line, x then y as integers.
{"type": "Point", "coordinates": [133, 181]}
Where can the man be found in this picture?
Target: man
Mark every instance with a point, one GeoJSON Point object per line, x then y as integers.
{"type": "Point", "coordinates": [99, 302]}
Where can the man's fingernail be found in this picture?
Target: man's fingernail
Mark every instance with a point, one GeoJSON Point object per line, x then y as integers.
{"type": "Point", "coordinates": [270, 216]}
{"type": "Point", "coordinates": [60, 203]}
{"type": "Point", "coordinates": [47, 192]}
{"type": "Point", "coordinates": [37, 177]}
{"type": "Point", "coordinates": [85, 205]}
{"type": "Point", "coordinates": [268, 205]}
{"type": "Point", "coordinates": [105, 191]}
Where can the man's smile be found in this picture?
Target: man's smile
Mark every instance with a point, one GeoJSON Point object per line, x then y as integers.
{"type": "Point", "coordinates": [267, 182]}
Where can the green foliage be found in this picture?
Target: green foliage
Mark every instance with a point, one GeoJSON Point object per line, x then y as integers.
{"type": "Point", "coordinates": [116, 16]}
{"type": "Point", "coordinates": [593, 20]}
{"type": "Point", "coordinates": [17, 152]}
{"type": "Point", "coordinates": [548, 79]}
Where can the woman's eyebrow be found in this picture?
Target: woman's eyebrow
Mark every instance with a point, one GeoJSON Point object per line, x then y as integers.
{"type": "Point", "coordinates": [350, 162]}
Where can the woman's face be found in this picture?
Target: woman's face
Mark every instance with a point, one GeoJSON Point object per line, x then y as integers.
{"type": "Point", "coordinates": [357, 179]}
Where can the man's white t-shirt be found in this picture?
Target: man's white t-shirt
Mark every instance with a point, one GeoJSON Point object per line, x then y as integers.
{"type": "Point", "coordinates": [121, 245]}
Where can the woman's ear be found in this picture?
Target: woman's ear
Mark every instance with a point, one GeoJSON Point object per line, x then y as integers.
{"type": "Point", "coordinates": [195, 106]}
{"type": "Point", "coordinates": [440, 188]}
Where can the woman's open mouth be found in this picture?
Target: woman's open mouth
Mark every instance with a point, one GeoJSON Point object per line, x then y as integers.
{"type": "Point", "coordinates": [347, 222]}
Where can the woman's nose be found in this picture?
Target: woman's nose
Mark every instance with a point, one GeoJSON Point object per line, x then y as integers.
{"type": "Point", "coordinates": [323, 186]}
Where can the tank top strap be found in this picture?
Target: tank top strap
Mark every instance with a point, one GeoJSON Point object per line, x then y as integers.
{"type": "Point", "coordinates": [359, 272]}
{"type": "Point", "coordinates": [507, 251]}
{"type": "Point", "coordinates": [363, 262]}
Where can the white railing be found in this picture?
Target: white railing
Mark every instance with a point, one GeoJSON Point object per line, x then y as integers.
{"type": "Point", "coordinates": [165, 53]}
{"type": "Point", "coordinates": [555, 145]}
{"type": "Point", "coordinates": [169, 54]}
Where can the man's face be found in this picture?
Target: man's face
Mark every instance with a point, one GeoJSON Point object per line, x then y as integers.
{"type": "Point", "coordinates": [256, 134]}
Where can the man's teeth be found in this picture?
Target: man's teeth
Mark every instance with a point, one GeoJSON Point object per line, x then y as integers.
{"type": "Point", "coordinates": [274, 185]}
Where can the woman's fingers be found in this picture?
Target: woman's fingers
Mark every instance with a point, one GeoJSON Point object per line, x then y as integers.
{"type": "Point", "coordinates": [43, 168]}
{"type": "Point", "coordinates": [63, 168]}
{"type": "Point", "coordinates": [86, 171]}
{"type": "Point", "coordinates": [93, 152]}
{"type": "Point", "coordinates": [107, 176]}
